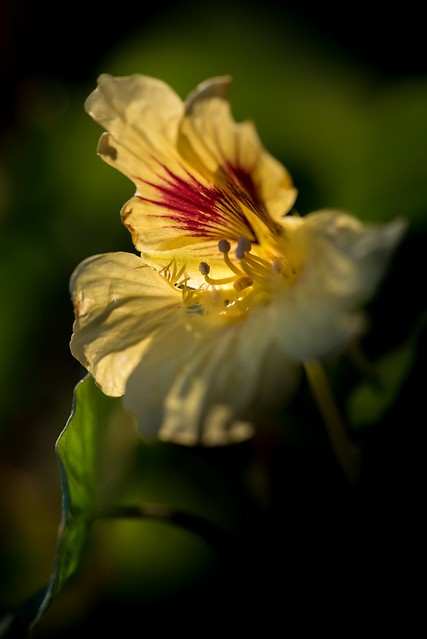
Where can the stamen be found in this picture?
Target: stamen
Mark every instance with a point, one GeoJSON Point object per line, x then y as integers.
{"type": "Point", "coordinates": [255, 274]}
{"type": "Point", "coordinates": [243, 246]}
{"type": "Point", "coordinates": [242, 282]}
{"type": "Point", "coordinates": [253, 280]}
{"type": "Point", "coordinates": [204, 268]}
{"type": "Point", "coordinates": [176, 278]}
{"type": "Point", "coordinates": [258, 264]}
{"type": "Point", "coordinates": [219, 282]}
{"type": "Point", "coordinates": [224, 246]}
{"type": "Point", "coordinates": [255, 258]}
{"type": "Point", "coordinates": [232, 267]}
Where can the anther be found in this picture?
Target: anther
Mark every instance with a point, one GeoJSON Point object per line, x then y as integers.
{"type": "Point", "coordinates": [242, 282]}
{"type": "Point", "coordinates": [243, 245]}
{"type": "Point", "coordinates": [224, 246]}
{"type": "Point", "coordinates": [204, 268]}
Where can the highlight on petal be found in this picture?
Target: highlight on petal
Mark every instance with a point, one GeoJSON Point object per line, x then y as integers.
{"type": "Point", "coordinates": [141, 113]}
{"type": "Point", "coordinates": [119, 304]}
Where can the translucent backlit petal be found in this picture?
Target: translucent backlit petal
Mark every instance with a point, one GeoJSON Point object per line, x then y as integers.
{"type": "Point", "coordinates": [342, 261]}
{"type": "Point", "coordinates": [204, 383]}
{"type": "Point", "coordinates": [141, 113]}
{"type": "Point", "coordinates": [119, 304]}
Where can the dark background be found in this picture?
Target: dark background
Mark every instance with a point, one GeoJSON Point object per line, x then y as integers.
{"type": "Point", "coordinates": [339, 94]}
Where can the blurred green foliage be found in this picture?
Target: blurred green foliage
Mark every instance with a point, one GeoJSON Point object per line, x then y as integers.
{"type": "Point", "coordinates": [352, 138]}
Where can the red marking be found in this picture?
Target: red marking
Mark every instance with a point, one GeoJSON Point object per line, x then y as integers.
{"type": "Point", "coordinates": [243, 179]}
{"type": "Point", "coordinates": [204, 210]}
{"type": "Point", "coordinates": [242, 182]}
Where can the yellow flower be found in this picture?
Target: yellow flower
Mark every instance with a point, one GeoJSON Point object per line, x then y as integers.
{"type": "Point", "coordinates": [209, 326]}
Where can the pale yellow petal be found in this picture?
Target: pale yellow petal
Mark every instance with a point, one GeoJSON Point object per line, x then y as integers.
{"type": "Point", "coordinates": [119, 304]}
{"type": "Point", "coordinates": [204, 383]}
{"type": "Point", "coordinates": [347, 256]}
{"type": "Point", "coordinates": [213, 141]}
{"type": "Point", "coordinates": [199, 176]}
{"type": "Point", "coordinates": [179, 212]}
{"type": "Point", "coordinates": [310, 325]}
{"type": "Point", "coordinates": [218, 87]}
{"type": "Point", "coordinates": [342, 262]}
{"type": "Point", "coordinates": [174, 205]}
{"type": "Point", "coordinates": [141, 113]}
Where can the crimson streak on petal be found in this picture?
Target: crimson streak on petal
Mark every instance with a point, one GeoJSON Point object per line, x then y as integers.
{"type": "Point", "coordinates": [202, 210]}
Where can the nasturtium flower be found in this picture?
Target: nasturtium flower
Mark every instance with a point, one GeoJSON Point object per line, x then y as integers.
{"type": "Point", "coordinates": [208, 325]}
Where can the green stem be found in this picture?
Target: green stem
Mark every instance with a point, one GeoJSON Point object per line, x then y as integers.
{"type": "Point", "coordinates": [341, 443]}
{"type": "Point", "coordinates": [210, 532]}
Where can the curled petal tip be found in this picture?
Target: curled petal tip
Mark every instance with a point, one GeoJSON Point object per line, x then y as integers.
{"type": "Point", "coordinates": [215, 87]}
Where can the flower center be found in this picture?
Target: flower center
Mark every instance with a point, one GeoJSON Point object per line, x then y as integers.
{"type": "Point", "coordinates": [253, 281]}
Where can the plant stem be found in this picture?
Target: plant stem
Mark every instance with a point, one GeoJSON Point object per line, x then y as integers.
{"type": "Point", "coordinates": [344, 449]}
{"type": "Point", "coordinates": [209, 531]}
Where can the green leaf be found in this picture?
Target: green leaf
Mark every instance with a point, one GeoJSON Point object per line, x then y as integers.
{"type": "Point", "coordinates": [95, 454]}
{"type": "Point", "coordinates": [77, 451]}
{"type": "Point", "coordinates": [371, 399]}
